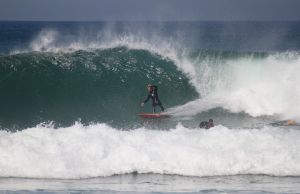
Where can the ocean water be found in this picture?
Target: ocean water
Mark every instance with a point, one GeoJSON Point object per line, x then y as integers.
{"type": "Point", "coordinates": [70, 93]}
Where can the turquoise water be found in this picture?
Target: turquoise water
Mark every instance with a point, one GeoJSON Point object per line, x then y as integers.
{"type": "Point", "coordinates": [91, 86]}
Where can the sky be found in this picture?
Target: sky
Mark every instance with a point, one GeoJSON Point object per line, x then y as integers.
{"type": "Point", "coordinates": [150, 10]}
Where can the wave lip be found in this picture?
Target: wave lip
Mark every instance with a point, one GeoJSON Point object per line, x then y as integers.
{"type": "Point", "coordinates": [100, 150]}
{"type": "Point", "coordinates": [50, 40]}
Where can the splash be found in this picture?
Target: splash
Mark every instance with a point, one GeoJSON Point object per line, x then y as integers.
{"type": "Point", "coordinates": [256, 86]}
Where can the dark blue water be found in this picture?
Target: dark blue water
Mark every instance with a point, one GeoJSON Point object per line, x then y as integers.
{"type": "Point", "coordinates": [237, 36]}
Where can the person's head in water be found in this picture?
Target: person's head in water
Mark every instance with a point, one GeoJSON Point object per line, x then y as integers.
{"type": "Point", "coordinates": [149, 87]}
{"type": "Point", "coordinates": [210, 120]}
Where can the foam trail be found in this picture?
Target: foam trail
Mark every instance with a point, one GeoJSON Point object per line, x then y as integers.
{"type": "Point", "coordinates": [194, 107]}
{"type": "Point", "coordinates": [100, 150]}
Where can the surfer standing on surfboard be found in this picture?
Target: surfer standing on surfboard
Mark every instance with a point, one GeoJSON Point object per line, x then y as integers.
{"type": "Point", "coordinates": [152, 93]}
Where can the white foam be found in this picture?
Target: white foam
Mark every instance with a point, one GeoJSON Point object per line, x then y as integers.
{"type": "Point", "coordinates": [100, 150]}
{"type": "Point", "coordinates": [266, 86]}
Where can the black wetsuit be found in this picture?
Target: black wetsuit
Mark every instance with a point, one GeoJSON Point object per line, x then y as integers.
{"type": "Point", "coordinates": [154, 97]}
{"type": "Point", "coordinates": [206, 125]}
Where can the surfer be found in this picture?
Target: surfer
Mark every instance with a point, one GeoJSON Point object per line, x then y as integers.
{"type": "Point", "coordinates": [207, 125]}
{"type": "Point", "coordinates": [152, 93]}
{"type": "Point", "coordinates": [285, 123]}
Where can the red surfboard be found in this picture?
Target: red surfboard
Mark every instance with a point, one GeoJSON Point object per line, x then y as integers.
{"type": "Point", "coordinates": [153, 115]}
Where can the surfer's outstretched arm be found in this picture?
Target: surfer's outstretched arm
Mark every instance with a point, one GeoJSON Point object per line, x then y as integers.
{"type": "Point", "coordinates": [148, 97]}
{"type": "Point", "coordinates": [146, 100]}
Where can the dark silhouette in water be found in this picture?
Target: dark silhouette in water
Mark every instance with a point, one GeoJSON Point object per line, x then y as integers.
{"type": "Point", "coordinates": [206, 125]}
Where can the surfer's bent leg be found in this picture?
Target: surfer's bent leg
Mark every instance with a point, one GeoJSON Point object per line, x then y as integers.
{"type": "Point", "coordinates": [160, 105]}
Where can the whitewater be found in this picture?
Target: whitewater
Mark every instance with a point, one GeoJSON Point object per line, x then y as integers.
{"type": "Point", "coordinates": [99, 150]}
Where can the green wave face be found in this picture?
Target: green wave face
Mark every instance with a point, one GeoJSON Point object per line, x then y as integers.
{"type": "Point", "coordinates": [91, 86]}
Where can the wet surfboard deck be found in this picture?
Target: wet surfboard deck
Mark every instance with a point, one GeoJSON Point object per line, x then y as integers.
{"type": "Point", "coordinates": [153, 115]}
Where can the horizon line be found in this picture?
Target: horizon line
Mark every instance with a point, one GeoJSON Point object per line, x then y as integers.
{"type": "Point", "coordinates": [148, 20]}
